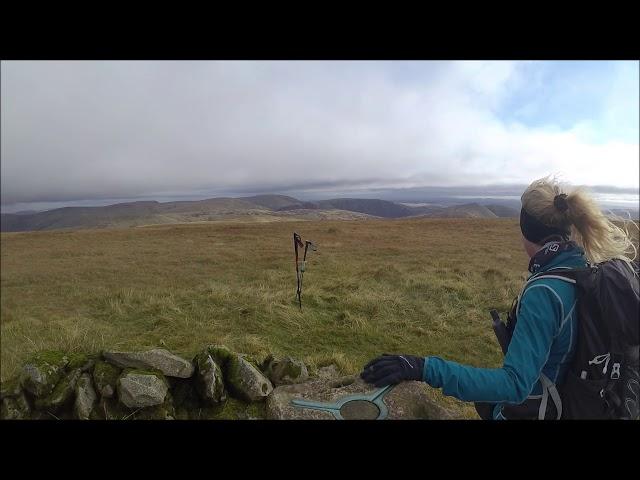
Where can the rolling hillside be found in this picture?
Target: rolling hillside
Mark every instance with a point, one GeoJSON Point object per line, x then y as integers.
{"type": "Point", "coordinates": [258, 208]}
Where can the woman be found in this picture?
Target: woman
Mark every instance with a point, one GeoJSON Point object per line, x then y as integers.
{"type": "Point", "coordinates": [559, 231]}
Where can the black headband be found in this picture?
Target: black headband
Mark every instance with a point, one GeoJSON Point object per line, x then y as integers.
{"type": "Point", "coordinates": [535, 231]}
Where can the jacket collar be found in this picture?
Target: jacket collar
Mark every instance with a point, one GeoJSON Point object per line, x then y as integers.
{"type": "Point", "coordinates": [554, 253]}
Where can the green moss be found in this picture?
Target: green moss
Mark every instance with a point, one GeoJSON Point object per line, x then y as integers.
{"type": "Point", "coordinates": [105, 375]}
{"type": "Point", "coordinates": [42, 372]}
{"type": "Point", "coordinates": [221, 354]}
{"type": "Point", "coordinates": [50, 357]}
{"type": "Point", "coordinates": [82, 361]}
{"type": "Point", "coordinates": [61, 395]}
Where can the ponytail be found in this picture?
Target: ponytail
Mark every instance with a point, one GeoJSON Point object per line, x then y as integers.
{"type": "Point", "coordinates": [576, 210]}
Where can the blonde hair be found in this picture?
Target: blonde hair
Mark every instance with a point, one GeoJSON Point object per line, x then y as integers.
{"type": "Point", "coordinates": [590, 228]}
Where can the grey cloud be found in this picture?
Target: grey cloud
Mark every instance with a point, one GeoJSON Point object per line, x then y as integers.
{"type": "Point", "coordinates": [104, 130]}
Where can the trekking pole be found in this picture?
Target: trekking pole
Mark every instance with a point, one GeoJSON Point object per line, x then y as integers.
{"type": "Point", "coordinates": [301, 266]}
{"type": "Point", "coordinates": [500, 329]}
{"type": "Point", "coordinates": [297, 242]}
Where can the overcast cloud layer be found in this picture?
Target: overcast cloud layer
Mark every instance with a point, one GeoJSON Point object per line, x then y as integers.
{"type": "Point", "coordinates": [89, 130]}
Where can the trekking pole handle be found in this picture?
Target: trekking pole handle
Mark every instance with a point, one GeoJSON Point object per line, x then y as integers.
{"type": "Point", "coordinates": [500, 330]}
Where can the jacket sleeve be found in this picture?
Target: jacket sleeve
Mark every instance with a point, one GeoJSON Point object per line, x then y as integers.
{"type": "Point", "coordinates": [538, 323]}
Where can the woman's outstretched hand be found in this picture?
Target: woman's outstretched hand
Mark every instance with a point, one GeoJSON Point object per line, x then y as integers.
{"type": "Point", "coordinates": [392, 369]}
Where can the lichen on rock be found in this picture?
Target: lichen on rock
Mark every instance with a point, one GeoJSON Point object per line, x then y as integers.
{"type": "Point", "coordinates": [142, 388]}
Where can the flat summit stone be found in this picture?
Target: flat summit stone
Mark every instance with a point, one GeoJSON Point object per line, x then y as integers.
{"type": "Point", "coordinates": [407, 400]}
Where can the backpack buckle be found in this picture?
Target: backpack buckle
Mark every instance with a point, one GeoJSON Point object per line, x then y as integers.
{"type": "Point", "coordinates": [615, 372]}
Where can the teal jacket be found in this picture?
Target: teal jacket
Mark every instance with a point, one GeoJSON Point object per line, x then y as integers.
{"type": "Point", "coordinates": [543, 342]}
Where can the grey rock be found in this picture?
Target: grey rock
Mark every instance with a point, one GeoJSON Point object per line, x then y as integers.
{"type": "Point", "coordinates": [330, 371]}
{"type": "Point", "coordinates": [15, 408]}
{"type": "Point", "coordinates": [208, 379]}
{"type": "Point", "coordinates": [285, 371]}
{"type": "Point", "coordinates": [81, 361]}
{"type": "Point", "coordinates": [246, 381]}
{"type": "Point", "coordinates": [85, 397]}
{"type": "Point", "coordinates": [105, 378]}
{"type": "Point", "coordinates": [61, 395]}
{"type": "Point", "coordinates": [160, 359]}
{"type": "Point", "coordinates": [407, 400]}
{"type": "Point", "coordinates": [41, 373]}
{"type": "Point", "coordinates": [164, 411]}
{"type": "Point", "coordinates": [138, 389]}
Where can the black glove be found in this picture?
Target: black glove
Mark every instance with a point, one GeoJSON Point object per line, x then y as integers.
{"type": "Point", "coordinates": [391, 369]}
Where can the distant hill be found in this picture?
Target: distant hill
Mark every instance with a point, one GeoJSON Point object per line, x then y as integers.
{"type": "Point", "coordinates": [378, 208]}
{"type": "Point", "coordinates": [129, 214]}
{"type": "Point", "coordinates": [256, 208]}
{"type": "Point", "coordinates": [468, 210]}
{"type": "Point", "coordinates": [26, 212]}
{"type": "Point", "coordinates": [504, 211]}
{"type": "Point", "coordinates": [79, 217]}
{"type": "Point", "coordinates": [275, 202]}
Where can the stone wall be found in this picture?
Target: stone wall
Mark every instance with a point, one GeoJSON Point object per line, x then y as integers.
{"type": "Point", "coordinates": [158, 385]}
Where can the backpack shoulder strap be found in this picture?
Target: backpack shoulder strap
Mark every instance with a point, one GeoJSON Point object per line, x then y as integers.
{"type": "Point", "coordinates": [565, 274]}
{"type": "Point", "coordinates": [566, 278]}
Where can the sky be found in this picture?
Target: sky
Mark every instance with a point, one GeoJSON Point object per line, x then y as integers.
{"type": "Point", "coordinates": [92, 132]}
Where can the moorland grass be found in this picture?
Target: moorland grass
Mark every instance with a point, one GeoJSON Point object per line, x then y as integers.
{"type": "Point", "coordinates": [418, 286]}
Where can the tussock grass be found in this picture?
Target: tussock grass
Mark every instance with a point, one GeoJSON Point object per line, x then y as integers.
{"type": "Point", "coordinates": [420, 286]}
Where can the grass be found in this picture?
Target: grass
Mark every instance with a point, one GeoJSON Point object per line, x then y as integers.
{"type": "Point", "coordinates": [421, 286]}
